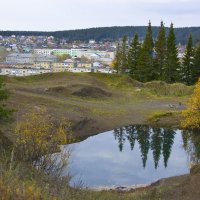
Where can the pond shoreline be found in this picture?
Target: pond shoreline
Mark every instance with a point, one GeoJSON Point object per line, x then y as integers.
{"type": "Point", "coordinates": [127, 188]}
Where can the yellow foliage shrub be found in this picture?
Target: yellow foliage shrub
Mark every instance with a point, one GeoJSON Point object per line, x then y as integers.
{"type": "Point", "coordinates": [20, 191]}
{"type": "Point", "coordinates": [192, 113]}
{"type": "Point", "coordinates": [38, 138]}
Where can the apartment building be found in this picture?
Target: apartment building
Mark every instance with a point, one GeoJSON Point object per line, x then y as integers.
{"type": "Point", "coordinates": [62, 66]}
{"type": "Point", "coordinates": [22, 72]}
{"type": "Point", "coordinates": [29, 58]}
{"type": "Point", "coordinates": [89, 53]}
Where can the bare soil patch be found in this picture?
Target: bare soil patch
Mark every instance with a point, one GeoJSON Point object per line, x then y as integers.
{"type": "Point", "coordinates": [92, 92]}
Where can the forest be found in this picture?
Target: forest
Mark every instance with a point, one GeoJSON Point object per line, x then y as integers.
{"type": "Point", "coordinates": [110, 33]}
{"type": "Point", "coordinates": [158, 59]}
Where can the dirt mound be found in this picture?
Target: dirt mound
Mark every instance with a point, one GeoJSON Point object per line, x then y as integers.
{"type": "Point", "coordinates": [93, 92]}
{"type": "Point", "coordinates": [58, 89]}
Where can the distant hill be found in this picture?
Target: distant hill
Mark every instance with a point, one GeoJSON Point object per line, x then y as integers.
{"type": "Point", "coordinates": [110, 33]}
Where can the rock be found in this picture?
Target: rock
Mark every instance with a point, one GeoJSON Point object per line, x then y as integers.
{"type": "Point", "coordinates": [138, 90]}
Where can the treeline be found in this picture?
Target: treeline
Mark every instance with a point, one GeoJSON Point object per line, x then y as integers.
{"type": "Point", "coordinates": [110, 33]}
{"type": "Point", "coordinates": [157, 59]}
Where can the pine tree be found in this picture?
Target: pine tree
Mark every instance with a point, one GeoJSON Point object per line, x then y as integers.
{"type": "Point", "coordinates": [145, 69]}
{"type": "Point", "coordinates": [133, 55]}
{"type": "Point", "coordinates": [117, 59]}
{"type": "Point", "coordinates": [172, 67]}
{"type": "Point", "coordinates": [124, 63]}
{"type": "Point", "coordinates": [160, 51]}
{"type": "Point", "coordinates": [120, 62]}
{"type": "Point", "coordinates": [196, 64]}
{"type": "Point", "coordinates": [187, 69]}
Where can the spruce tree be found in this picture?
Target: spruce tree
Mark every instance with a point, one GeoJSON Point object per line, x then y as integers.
{"type": "Point", "coordinates": [196, 64]}
{"type": "Point", "coordinates": [120, 62]}
{"type": "Point", "coordinates": [133, 55]}
{"type": "Point", "coordinates": [172, 67]}
{"type": "Point", "coordinates": [145, 69]}
{"type": "Point", "coordinates": [187, 69]}
{"type": "Point", "coordinates": [124, 59]}
{"type": "Point", "coordinates": [117, 60]}
{"type": "Point", "coordinates": [160, 52]}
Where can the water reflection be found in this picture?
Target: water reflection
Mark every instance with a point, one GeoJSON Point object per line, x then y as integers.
{"type": "Point", "coordinates": [191, 144]}
{"type": "Point", "coordinates": [135, 155]}
{"type": "Point", "coordinates": [159, 140]}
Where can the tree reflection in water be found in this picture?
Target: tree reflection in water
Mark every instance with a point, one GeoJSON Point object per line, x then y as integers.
{"type": "Point", "coordinates": [191, 144]}
{"type": "Point", "coordinates": [158, 140]}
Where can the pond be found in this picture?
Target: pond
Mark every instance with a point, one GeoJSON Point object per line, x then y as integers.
{"type": "Point", "coordinates": [132, 155]}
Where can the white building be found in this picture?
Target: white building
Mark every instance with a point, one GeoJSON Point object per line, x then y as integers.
{"type": "Point", "coordinates": [76, 53]}
{"type": "Point", "coordinates": [29, 58]}
{"type": "Point", "coordinates": [22, 72]}
{"type": "Point", "coordinates": [43, 51]}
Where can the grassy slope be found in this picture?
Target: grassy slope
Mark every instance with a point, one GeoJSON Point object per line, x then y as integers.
{"type": "Point", "coordinates": [130, 102]}
{"type": "Point", "coordinates": [93, 113]}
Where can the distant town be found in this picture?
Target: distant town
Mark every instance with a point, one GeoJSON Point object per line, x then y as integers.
{"type": "Point", "coordinates": [30, 55]}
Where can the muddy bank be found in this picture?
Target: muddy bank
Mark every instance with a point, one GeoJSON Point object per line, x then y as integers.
{"type": "Point", "coordinates": [87, 126]}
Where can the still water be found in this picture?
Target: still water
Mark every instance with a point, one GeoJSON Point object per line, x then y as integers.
{"type": "Point", "coordinates": [132, 155]}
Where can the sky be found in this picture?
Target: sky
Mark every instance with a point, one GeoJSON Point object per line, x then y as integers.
{"type": "Point", "coordinates": [53, 15]}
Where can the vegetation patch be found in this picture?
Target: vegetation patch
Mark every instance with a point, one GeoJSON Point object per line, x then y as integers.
{"type": "Point", "coordinates": [161, 88]}
{"type": "Point", "coordinates": [156, 116]}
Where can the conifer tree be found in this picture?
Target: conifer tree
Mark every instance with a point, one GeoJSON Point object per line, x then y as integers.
{"type": "Point", "coordinates": [124, 59]}
{"type": "Point", "coordinates": [172, 67]}
{"type": "Point", "coordinates": [197, 63]}
{"type": "Point", "coordinates": [187, 69]}
{"type": "Point", "coordinates": [120, 62]}
{"type": "Point", "coordinates": [133, 55]}
{"type": "Point", "coordinates": [117, 59]}
{"type": "Point", "coordinates": [145, 71]}
{"type": "Point", "coordinates": [160, 51]}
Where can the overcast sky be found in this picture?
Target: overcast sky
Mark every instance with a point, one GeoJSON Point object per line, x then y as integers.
{"type": "Point", "coordinates": [51, 15]}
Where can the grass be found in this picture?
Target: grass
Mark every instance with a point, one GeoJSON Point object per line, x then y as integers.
{"type": "Point", "coordinates": [157, 115]}
{"type": "Point", "coordinates": [161, 88]}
